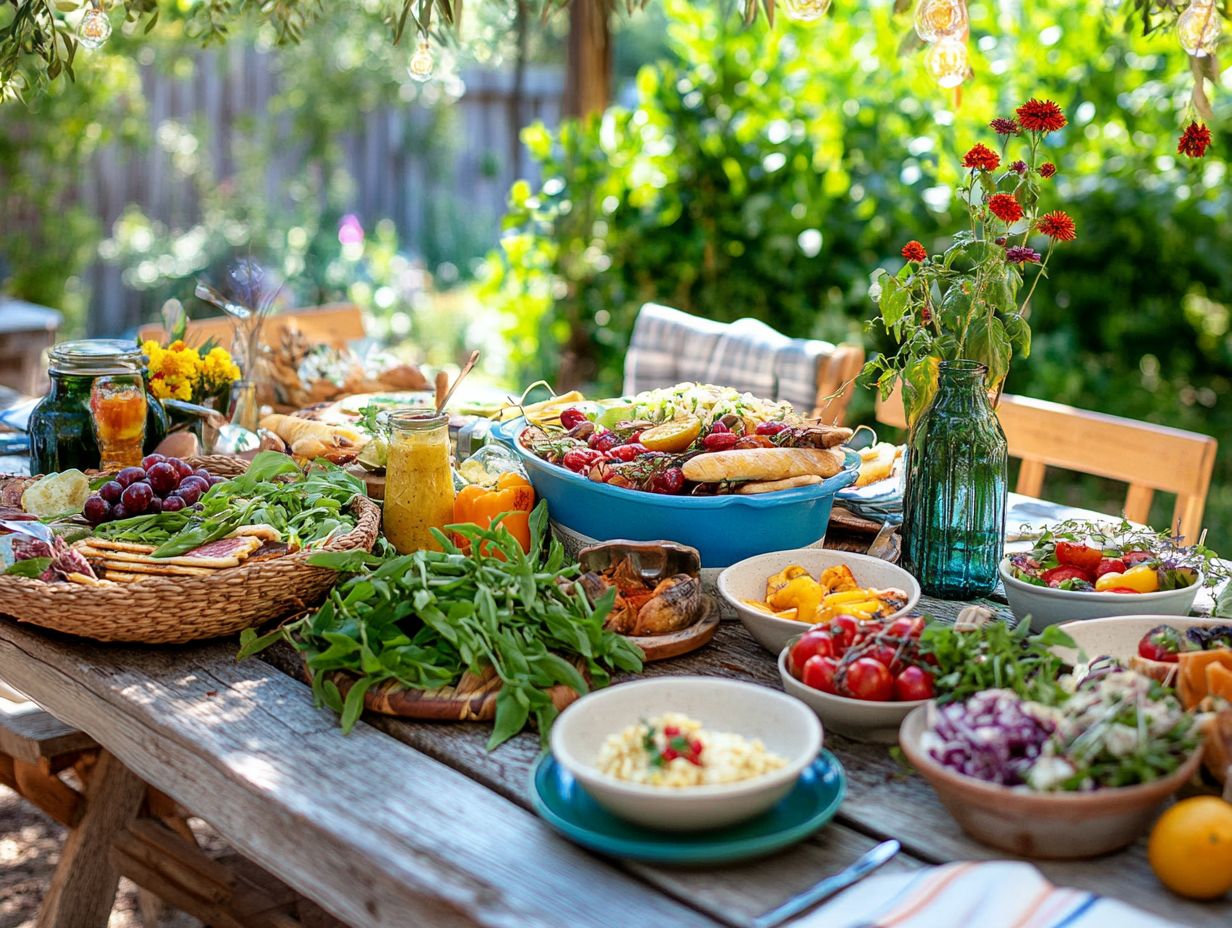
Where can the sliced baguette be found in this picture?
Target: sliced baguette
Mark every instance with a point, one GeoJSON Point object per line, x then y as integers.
{"type": "Point", "coordinates": [770, 486]}
{"type": "Point", "coordinates": [763, 464]}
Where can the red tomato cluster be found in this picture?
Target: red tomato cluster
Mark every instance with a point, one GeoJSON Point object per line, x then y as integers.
{"type": "Point", "coordinates": [1083, 562]}
{"type": "Point", "coordinates": [874, 661]}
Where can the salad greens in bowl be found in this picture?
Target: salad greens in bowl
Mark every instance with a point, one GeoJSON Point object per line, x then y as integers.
{"type": "Point", "coordinates": [1085, 570]}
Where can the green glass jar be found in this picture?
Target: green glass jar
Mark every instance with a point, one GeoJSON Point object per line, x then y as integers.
{"type": "Point", "coordinates": [61, 426]}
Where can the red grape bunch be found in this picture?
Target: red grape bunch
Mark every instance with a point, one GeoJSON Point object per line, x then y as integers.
{"type": "Point", "coordinates": [160, 484]}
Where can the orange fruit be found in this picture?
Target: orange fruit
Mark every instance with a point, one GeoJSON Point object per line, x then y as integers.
{"type": "Point", "coordinates": [1190, 848]}
{"type": "Point", "coordinates": [672, 436]}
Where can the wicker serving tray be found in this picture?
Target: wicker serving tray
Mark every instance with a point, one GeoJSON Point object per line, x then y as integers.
{"type": "Point", "coordinates": [166, 610]}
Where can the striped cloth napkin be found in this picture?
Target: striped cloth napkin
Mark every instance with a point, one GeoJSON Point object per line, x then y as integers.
{"type": "Point", "coordinates": [996, 894]}
{"type": "Point", "coordinates": [670, 347]}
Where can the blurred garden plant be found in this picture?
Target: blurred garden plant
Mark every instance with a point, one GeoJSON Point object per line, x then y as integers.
{"type": "Point", "coordinates": [964, 304]}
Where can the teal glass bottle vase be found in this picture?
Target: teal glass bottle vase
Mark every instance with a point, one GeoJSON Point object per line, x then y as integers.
{"type": "Point", "coordinates": [954, 504]}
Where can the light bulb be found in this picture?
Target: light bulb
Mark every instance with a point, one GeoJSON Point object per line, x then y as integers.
{"type": "Point", "coordinates": [936, 19]}
{"type": "Point", "coordinates": [422, 62]}
{"type": "Point", "coordinates": [95, 27]}
{"type": "Point", "coordinates": [1198, 28]}
{"type": "Point", "coordinates": [806, 11]}
{"type": "Point", "coordinates": [947, 62]}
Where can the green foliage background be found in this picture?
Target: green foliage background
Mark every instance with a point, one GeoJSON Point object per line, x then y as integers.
{"type": "Point", "coordinates": [769, 174]}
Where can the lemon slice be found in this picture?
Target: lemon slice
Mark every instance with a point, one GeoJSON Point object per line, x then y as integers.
{"type": "Point", "coordinates": [672, 436]}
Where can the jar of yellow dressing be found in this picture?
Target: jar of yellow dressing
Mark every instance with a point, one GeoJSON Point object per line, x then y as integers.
{"type": "Point", "coordinates": [418, 479]}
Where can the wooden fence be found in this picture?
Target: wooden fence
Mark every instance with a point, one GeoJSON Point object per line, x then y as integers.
{"type": "Point", "coordinates": [383, 156]}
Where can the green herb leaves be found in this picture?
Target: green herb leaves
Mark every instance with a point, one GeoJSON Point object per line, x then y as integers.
{"type": "Point", "coordinates": [422, 620]}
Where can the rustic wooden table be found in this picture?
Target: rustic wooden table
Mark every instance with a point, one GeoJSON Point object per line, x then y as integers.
{"type": "Point", "coordinates": [403, 823]}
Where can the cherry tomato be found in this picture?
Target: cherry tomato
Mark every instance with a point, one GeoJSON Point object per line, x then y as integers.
{"type": "Point", "coordinates": [580, 459]}
{"type": "Point", "coordinates": [906, 627]}
{"type": "Point", "coordinates": [603, 441]}
{"type": "Point", "coordinates": [869, 680]}
{"type": "Point", "coordinates": [1120, 589]}
{"type": "Point", "coordinates": [667, 481]}
{"type": "Point", "coordinates": [912, 684]}
{"type": "Point", "coordinates": [819, 673]}
{"type": "Point", "coordinates": [887, 656]}
{"type": "Point", "coordinates": [1084, 557]}
{"type": "Point", "coordinates": [626, 452]}
{"type": "Point", "coordinates": [1161, 643]}
{"type": "Point", "coordinates": [844, 629]}
{"type": "Point", "coordinates": [571, 417]}
{"type": "Point", "coordinates": [720, 441]}
{"type": "Point", "coordinates": [719, 427]}
{"type": "Point", "coordinates": [810, 644]}
{"type": "Point", "coordinates": [770, 428]}
{"type": "Point", "coordinates": [1110, 565]}
{"type": "Point", "coordinates": [1058, 575]}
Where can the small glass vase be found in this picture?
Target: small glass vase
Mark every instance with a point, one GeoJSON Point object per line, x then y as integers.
{"type": "Point", "coordinates": [244, 410]}
{"type": "Point", "coordinates": [954, 504]}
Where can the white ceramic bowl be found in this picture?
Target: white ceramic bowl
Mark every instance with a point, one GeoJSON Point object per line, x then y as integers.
{"type": "Point", "coordinates": [1049, 825]}
{"type": "Point", "coordinates": [1047, 606]}
{"type": "Point", "coordinates": [1118, 637]}
{"type": "Point", "coordinates": [747, 580]}
{"type": "Point", "coordinates": [856, 718]}
{"type": "Point", "coordinates": [785, 726]}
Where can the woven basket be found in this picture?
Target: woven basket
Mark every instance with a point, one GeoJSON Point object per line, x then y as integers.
{"type": "Point", "coordinates": [174, 610]}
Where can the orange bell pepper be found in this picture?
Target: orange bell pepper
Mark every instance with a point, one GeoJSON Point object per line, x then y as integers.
{"type": "Point", "coordinates": [513, 496]}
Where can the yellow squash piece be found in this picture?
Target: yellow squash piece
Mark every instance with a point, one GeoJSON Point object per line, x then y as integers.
{"type": "Point", "coordinates": [784, 577]}
{"type": "Point", "coordinates": [839, 579]}
{"type": "Point", "coordinates": [802, 594]}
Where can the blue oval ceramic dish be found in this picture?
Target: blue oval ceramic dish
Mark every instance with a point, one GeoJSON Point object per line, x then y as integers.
{"type": "Point", "coordinates": [724, 529]}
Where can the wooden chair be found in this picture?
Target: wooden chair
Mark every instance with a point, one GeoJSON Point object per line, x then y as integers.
{"type": "Point", "coordinates": [1150, 458]}
{"type": "Point", "coordinates": [335, 324]}
{"type": "Point", "coordinates": [669, 346]}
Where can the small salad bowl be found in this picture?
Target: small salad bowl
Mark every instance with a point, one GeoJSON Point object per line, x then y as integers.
{"type": "Point", "coordinates": [1049, 825]}
{"type": "Point", "coordinates": [786, 727]}
{"type": "Point", "coordinates": [746, 580]}
{"type": "Point", "coordinates": [1049, 606]}
{"type": "Point", "coordinates": [860, 719]}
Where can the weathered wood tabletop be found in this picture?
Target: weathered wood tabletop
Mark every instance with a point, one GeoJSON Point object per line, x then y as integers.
{"type": "Point", "coordinates": [403, 823]}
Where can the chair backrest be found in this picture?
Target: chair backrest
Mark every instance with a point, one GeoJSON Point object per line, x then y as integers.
{"type": "Point", "coordinates": [670, 347]}
{"type": "Point", "coordinates": [1146, 456]}
{"type": "Point", "coordinates": [334, 324]}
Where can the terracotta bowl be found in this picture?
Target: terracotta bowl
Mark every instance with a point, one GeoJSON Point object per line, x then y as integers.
{"type": "Point", "coordinates": [1055, 826]}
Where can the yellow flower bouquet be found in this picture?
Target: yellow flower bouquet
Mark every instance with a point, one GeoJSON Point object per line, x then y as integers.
{"type": "Point", "coordinates": [180, 372]}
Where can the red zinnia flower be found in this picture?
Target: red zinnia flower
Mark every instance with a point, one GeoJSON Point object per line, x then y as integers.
{"type": "Point", "coordinates": [1057, 225]}
{"type": "Point", "coordinates": [1004, 126]}
{"type": "Point", "coordinates": [1041, 116]}
{"type": "Point", "coordinates": [1194, 141]}
{"type": "Point", "coordinates": [1047, 169]}
{"type": "Point", "coordinates": [914, 251]}
{"type": "Point", "coordinates": [982, 158]}
{"type": "Point", "coordinates": [1005, 207]}
{"type": "Point", "coordinates": [1019, 167]}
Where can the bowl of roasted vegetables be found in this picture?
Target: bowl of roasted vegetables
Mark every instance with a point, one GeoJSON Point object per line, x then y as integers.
{"type": "Point", "coordinates": [690, 468]}
{"type": "Point", "coordinates": [779, 595]}
{"type": "Point", "coordinates": [1087, 571]}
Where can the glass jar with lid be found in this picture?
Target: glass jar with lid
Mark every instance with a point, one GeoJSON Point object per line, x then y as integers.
{"type": "Point", "coordinates": [62, 426]}
{"type": "Point", "coordinates": [418, 479]}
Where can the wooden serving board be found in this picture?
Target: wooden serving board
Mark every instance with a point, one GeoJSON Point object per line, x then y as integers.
{"type": "Point", "coordinates": [471, 699]}
{"type": "Point", "coordinates": [685, 641]}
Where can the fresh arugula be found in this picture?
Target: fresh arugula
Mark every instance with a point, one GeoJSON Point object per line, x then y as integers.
{"type": "Point", "coordinates": [422, 620]}
{"type": "Point", "coordinates": [995, 656]}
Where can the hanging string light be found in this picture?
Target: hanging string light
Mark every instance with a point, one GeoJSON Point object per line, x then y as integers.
{"type": "Point", "coordinates": [936, 19]}
{"type": "Point", "coordinates": [1198, 28]}
{"type": "Point", "coordinates": [806, 11]}
{"type": "Point", "coordinates": [95, 26]}
{"type": "Point", "coordinates": [422, 61]}
{"type": "Point", "coordinates": [947, 61]}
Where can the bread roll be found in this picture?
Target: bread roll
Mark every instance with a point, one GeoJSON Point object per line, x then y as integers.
{"type": "Point", "coordinates": [769, 486]}
{"type": "Point", "coordinates": [292, 429]}
{"type": "Point", "coordinates": [763, 464]}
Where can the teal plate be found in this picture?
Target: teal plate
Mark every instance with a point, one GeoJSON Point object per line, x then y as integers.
{"type": "Point", "coordinates": [562, 802]}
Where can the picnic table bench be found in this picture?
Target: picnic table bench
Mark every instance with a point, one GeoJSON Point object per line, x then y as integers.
{"type": "Point", "coordinates": [402, 823]}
